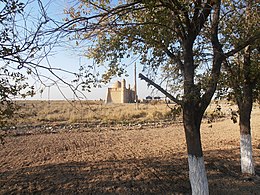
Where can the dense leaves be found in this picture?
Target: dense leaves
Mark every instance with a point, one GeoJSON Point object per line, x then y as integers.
{"type": "Point", "coordinates": [240, 73]}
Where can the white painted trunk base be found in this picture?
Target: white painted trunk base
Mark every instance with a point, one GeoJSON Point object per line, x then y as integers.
{"type": "Point", "coordinates": [197, 175]}
{"type": "Point", "coordinates": [247, 164]}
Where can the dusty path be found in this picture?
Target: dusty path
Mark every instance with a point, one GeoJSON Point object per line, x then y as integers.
{"type": "Point", "coordinates": [141, 161]}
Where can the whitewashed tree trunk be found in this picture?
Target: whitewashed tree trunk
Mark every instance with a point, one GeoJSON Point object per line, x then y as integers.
{"type": "Point", "coordinates": [198, 176]}
{"type": "Point", "coordinates": [247, 164]}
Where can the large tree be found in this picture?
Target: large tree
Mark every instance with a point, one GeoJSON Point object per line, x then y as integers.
{"type": "Point", "coordinates": [163, 34]}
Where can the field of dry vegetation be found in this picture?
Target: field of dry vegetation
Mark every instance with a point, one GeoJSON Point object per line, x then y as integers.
{"type": "Point", "coordinates": [97, 112]}
{"type": "Point", "coordinates": [61, 147]}
{"type": "Point", "coordinates": [90, 113]}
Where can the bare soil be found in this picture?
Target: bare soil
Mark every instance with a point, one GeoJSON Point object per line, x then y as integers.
{"type": "Point", "coordinates": [140, 160]}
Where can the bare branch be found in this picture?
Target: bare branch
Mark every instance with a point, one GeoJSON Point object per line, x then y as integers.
{"type": "Point", "coordinates": [142, 77]}
{"type": "Point", "coordinates": [247, 42]}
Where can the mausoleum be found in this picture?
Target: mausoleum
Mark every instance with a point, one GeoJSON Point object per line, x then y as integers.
{"type": "Point", "coordinates": [118, 93]}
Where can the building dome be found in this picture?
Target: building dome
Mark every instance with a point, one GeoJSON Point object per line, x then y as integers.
{"type": "Point", "coordinates": [117, 84]}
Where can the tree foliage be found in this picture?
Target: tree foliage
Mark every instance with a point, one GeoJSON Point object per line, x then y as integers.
{"type": "Point", "coordinates": [20, 41]}
{"type": "Point", "coordinates": [236, 74]}
{"type": "Point", "coordinates": [28, 37]}
{"type": "Point", "coordinates": [11, 83]}
{"type": "Point", "coordinates": [154, 32]}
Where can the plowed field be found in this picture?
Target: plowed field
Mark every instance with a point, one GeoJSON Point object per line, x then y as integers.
{"type": "Point", "coordinates": [144, 160]}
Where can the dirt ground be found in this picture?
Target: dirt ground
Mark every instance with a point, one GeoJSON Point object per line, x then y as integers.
{"type": "Point", "coordinates": [143, 160]}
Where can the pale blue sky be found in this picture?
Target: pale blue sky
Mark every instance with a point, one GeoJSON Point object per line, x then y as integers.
{"type": "Point", "coordinates": [69, 59]}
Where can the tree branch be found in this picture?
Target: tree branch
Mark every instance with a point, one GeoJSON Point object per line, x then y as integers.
{"type": "Point", "coordinates": [249, 41]}
{"type": "Point", "coordinates": [218, 58]}
{"type": "Point", "coordinates": [199, 20]}
{"type": "Point", "coordinates": [142, 77]}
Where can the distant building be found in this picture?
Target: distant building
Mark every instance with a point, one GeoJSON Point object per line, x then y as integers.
{"type": "Point", "coordinates": [157, 98]}
{"type": "Point", "coordinates": [149, 98]}
{"type": "Point", "coordinates": [118, 93]}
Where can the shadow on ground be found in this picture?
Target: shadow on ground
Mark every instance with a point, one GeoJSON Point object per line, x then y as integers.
{"type": "Point", "coordinates": [166, 175]}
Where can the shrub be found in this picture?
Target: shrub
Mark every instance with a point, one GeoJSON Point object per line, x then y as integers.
{"type": "Point", "coordinates": [141, 114]}
{"type": "Point", "coordinates": [157, 115]}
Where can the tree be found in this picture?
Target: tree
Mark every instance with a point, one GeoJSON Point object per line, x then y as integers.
{"type": "Point", "coordinates": [163, 34]}
{"type": "Point", "coordinates": [249, 74]}
{"type": "Point", "coordinates": [243, 79]}
{"type": "Point", "coordinates": [244, 97]}
{"type": "Point", "coordinates": [243, 72]}
{"type": "Point", "coordinates": [26, 39]}
{"type": "Point", "coordinates": [12, 83]}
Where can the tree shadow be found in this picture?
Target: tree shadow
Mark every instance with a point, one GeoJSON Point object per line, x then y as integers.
{"type": "Point", "coordinates": [166, 175]}
{"type": "Point", "coordinates": [224, 173]}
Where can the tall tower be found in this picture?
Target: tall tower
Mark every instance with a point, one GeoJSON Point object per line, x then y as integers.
{"type": "Point", "coordinates": [135, 85]}
{"type": "Point", "coordinates": [123, 91]}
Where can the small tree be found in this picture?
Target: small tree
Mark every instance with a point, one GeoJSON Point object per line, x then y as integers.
{"type": "Point", "coordinates": [243, 71]}
{"type": "Point", "coordinates": [240, 80]}
{"type": "Point", "coordinates": [24, 42]}
{"type": "Point", "coordinates": [12, 83]}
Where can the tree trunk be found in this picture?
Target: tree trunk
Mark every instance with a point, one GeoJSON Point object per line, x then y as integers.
{"type": "Point", "coordinates": [192, 116]}
{"type": "Point", "coordinates": [245, 104]}
{"type": "Point", "coordinates": [247, 165]}
{"type": "Point", "coordinates": [197, 171]}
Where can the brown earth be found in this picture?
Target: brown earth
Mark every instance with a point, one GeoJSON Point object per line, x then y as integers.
{"type": "Point", "coordinates": [143, 160]}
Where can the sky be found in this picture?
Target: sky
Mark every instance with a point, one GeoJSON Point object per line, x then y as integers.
{"type": "Point", "coordinates": [69, 58]}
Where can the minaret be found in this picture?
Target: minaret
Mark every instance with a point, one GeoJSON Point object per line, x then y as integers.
{"type": "Point", "coordinates": [135, 88]}
{"type": "Point", "coordinates": [135, 85]}
{"type": "Point", "coordinates": [123, 91]}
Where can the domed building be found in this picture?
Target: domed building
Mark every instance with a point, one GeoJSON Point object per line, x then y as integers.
{"type": "Point", "coordinates": [118, 93]}
{"type": "Point", "coordinates": [116, 85]}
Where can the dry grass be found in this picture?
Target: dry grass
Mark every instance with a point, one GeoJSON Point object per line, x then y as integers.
{"type": "Point", "coordinates": [33, 112]}
{"type": "Point", "coordinates": [97, 112]}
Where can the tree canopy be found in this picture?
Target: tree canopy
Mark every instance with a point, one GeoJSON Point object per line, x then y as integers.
{"type": "Point", "coordinates": [154, 31]}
